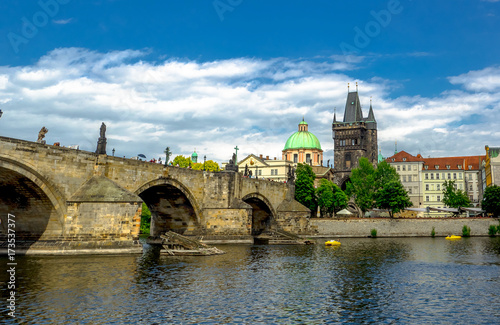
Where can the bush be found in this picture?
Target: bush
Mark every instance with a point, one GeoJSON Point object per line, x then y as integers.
{"type": "Point", "coordinates": [433, 232]}
{"type": "Point", "coordinates": [374, 233]}
{"type": "Point", "coordinates": [492, 230]}
{"type": "Point", "coordinates": [465, 231]}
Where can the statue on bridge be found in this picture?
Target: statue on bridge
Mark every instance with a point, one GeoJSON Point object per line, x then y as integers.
{"type": "Point", "coordinates": [290, 175]}
{"type": "Point", "coordinates": [232, 165]}
{"type": "Point", "coordinates": [41, 135]}
{"type": "Point", "coordinates": [101, 142]}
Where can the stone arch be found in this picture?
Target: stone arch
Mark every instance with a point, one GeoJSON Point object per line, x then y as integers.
{"type": "Point", "coordinates": [263, 213]}
{"type": "Point", "coordinates": [31, 194]}
{"type": "Point", "coordinates": [343, 182]}
{"type": "Point", "coordinates": [166, 195]}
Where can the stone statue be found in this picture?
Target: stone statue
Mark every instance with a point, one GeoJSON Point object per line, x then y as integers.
{"type": "Point", "coordinates": [246, 170]}
{"type": "Point", "coordinates": [231, 166]}
{"type": "Point", "coordinates": [101, 142]}
{"type": "Point", "coordinates": [103, 130]}
{"type": "Point", "coordinates": [328, 163]}
{"type": "Point", "coordinates": [41, 135]}
{"type": "Point", "coordinates": [290, 175]}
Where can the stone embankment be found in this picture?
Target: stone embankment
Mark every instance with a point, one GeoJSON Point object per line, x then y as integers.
{"type": "Point", "coordinates": [386, 227]}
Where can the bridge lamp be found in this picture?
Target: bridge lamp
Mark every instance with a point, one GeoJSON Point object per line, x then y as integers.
{"type": "Point", "coordinates": [204, 160]}
{"type": "Point", "coordinates": [1, 113]}
{"type": "Point", "coordinates": [113, 151]}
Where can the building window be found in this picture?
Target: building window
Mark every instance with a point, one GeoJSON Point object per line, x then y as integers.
{"type": "Point", "coordinates": [460, 186]}
{"type": "Point", "coordinates": [399, 168]}
{"type": "Point", "coordinates": [454, 175]}
{"type": "Point", "coordinates": [449, 175]}
{"type": "Point", "coordinates": [414, 167]}
{"type": "Point", "coordinates": [437, 176]}
{"type": "Point", "coordinates": [404, 168]}
{"type": "Point", "coordinates": [459, 166]}
{"type": "Point", "coordinates": [470, 176]}
{"type": "Point", "coordinates": [404, 179]}
{"type": "Point", "coordinates": [348, 160]}
{"type": "Point", "coordinates": [438, 187]}
{"type": "Point", "coordinates": [260, 172]}
{"type": "Point", "coordinates": [409, 190]}
{"type": "Point", "coordinates": [295, 158]}
{"type": "Point", "coordinates": [409, 178]}
{"type": "Point", "coordinates": [470, 187]}
{"type": "Point", "coordinates": [439, 198]}
{"type": "Point", "coordinates": [460, 176]}
{"type": "Point", "coordinates": [427, 198]}
{"type": "Point", "coordinates": [426, 176]}
{"type": "Point", "coordinates": [432, 175]}
{"type": "Point", "coordinates": [404, 158]}
{"type": "Point", "coordinates": [308, 158]}
{"type": "Point", "coordinates": [426, 187]}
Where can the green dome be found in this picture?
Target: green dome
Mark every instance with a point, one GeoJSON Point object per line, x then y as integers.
{"type": "Point", "coordinates": [302, 140]}
{"type": "Point", "coordinates": [194, 154]}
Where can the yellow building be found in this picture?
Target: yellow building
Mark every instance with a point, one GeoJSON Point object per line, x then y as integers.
{"type": "Point", "coordinates": [265, 168]}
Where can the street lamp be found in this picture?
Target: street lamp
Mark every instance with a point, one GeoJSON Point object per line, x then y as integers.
{"type": "Point", "coordinates": [113, 151]}
{"type": "Point", "coordinates": [1, 113]}
{"type": "Point", "coordinates": [204, 160]}
{"type": "Point", "coordinates": [167, 155]}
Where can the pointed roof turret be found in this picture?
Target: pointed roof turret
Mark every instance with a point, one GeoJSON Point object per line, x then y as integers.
{"type": "Point", "coordinates": [353, 112]}
{"type": "Point", "coordinates": [371, 116]}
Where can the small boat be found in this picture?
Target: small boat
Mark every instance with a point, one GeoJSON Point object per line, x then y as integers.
{"type": "Point", "coordinates": [452, 237]}
{"type": "Point", "coordinates": [332, 243]}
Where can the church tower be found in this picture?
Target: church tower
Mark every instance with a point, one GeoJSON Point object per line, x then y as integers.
{"type": "Point", "coordinates": [354, 137]}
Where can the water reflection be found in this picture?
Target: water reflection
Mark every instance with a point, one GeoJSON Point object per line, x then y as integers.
{"type": "Point", "coordinates": [402, 280]}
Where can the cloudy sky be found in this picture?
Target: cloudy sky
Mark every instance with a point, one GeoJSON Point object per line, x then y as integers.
{"type": "Point", "coordinates": [212, 74]}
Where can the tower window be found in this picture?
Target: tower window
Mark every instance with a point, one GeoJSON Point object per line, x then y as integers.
{"type": "Point", "coordinates": [295, 158]}
{"type": "Point", "coordinates": [308, 158]}
{"type": "Point", "coordinates": [348, 160]}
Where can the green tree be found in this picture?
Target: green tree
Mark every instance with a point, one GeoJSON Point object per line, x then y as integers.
{"type": "Point", "coordinates": [491, 200]}
{"type": "Point", "coordinates": [385, 174]}
{"type": "Point", "coordinates": [362, 184]}
{"type": "Point", "coordinates": [145, 219]}
{"type": "Point", "coordinates": [330, 198]}
{"type": "Point", "coordinates": [211, 166]}
{"type": "Point", "coordinates": [454, 198]}
{"type": "Point", "coordinates": [181, 161]}
{"type": "Point", "coordinates": [393, 197]}
{"type": "Point", "coordinates": [304, 187]}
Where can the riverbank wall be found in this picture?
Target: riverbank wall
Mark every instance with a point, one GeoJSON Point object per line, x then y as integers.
{"type": "Point", "coordinates": [386, 227]}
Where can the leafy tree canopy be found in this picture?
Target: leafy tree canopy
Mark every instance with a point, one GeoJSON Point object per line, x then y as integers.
{"type": "Point", "coordinates": [454, 198]}
{"type": "Point", "coordinates": [362, 184]}
{"type": "Point", "coordinates": [393, 197]}
{"type": "Point", "coordinates": [304, 187]}
{"type": "Point", "coordinates": [491, 200]}
{"type": "Point", "coordinates": [330, 198]}
{"type": "Point", "coordinates": [181, 161]}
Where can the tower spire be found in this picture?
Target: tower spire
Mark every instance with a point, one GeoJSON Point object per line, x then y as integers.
{"type": "Point", "coordinates": [356, 86]}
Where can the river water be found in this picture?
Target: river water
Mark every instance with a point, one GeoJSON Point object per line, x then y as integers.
{"type": "Point", "coordinates": [365, 281]}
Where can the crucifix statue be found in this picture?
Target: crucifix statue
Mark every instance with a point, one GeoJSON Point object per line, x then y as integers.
{"type": "Point", "coordinates": [236, 160]}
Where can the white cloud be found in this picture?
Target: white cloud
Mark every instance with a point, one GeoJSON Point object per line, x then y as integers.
{"type": "Point", "coordinates": [214, 106]}
{"type": "Point", "coordinates": [63, 21]}
{"type": "Point", "coordinates": [487, 79]}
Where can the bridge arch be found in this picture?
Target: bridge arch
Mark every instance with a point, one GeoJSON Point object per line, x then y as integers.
{"type": "Point", "coordinates": [37, 204]}
{"type": "Point", "coordinates": [172, 205]}
{"type": "Point", "coordinates": [263, 213]}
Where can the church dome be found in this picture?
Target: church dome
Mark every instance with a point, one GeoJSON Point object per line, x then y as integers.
{"type": "Point", "coordinates": [302, 139]}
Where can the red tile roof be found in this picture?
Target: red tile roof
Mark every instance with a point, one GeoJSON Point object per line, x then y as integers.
{"type": "Point", "coordinates": [442, 162]}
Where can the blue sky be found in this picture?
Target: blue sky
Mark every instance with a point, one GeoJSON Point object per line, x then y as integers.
{"type": "Point", "coordinates": [214, 74]}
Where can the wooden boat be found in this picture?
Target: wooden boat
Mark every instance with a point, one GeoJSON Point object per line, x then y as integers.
{"type": "Point", "coordinates": [332, 243]}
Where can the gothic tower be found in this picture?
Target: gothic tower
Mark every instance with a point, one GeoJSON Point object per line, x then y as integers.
{"type": "Point", "coordinates": [354, 137]}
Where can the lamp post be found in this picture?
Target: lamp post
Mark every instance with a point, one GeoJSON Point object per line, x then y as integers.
{"type": "Point", "coordinates": [1, 113]}
{"type": "Point", "coordinates": [204, 160]}
{"type": "Point", "coordinates": [167, 155]}
{"type": "Point", "coordinates": [113, 151]}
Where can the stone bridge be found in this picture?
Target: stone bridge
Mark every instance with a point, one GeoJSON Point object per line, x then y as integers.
{"type": "Point", "coordinates": [69, 195]}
